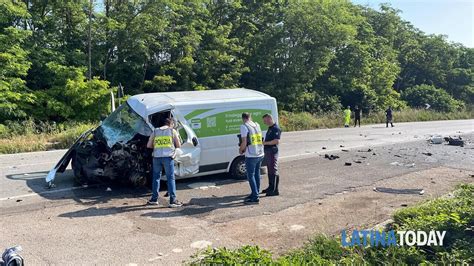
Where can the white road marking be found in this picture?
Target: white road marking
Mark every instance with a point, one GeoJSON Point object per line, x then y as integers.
{"type": "Point", "coordinates": [42, 193]}
{"type": "Point", "coordinates": [30, 164]}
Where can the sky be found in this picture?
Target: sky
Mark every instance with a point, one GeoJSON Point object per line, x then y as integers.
{"type": "Point", "coordinates": [454, 18]}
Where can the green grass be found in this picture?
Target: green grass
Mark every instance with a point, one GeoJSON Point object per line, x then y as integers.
{"type": "Point", "coordinates": [454, 213]}
{"type": "Point", "coordinates": [305, 121]}
{"type": "Point", "coordinates": [28, 136]}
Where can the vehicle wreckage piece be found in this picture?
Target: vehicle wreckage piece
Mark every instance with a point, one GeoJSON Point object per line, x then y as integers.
{"type": "Point", "coordinates": [11, 257]}
{"type": "Point", "coordinates": [116, 151]}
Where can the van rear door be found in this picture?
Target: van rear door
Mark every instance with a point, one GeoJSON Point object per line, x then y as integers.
{"type": "Point", "coordinates": [188, 157]}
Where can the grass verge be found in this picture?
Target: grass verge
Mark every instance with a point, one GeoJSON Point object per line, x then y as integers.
{"type": "Point", "coordinates": [29, 136]}
{"type": "Point", "coordinates": [305, 121]}
{"type": "Point", "coordinates": [453, 213]}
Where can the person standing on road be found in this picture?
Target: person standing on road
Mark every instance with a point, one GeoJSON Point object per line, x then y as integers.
{"type": "Point", "coordinates": [389, 116]}
{"type": "Point", "coordinates": [347, 116]}
{"type": "Point", "coordinates": [272, 139]}
{"type": "Point", "coordinates": [164, 142]}
{"type": "Point", "coordinates": [357, 113]}
{"type": "Point", "coordinates": [252, 146]}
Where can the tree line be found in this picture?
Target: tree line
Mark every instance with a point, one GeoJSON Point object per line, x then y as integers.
{"type": "Point", "coordinates": [314, 56]}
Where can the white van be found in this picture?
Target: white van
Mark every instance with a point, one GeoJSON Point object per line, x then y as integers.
{"type": "Point", "coordinates": [208, 123]}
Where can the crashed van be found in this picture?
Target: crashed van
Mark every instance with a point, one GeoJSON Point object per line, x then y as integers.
{"type": "Point", "coordinates": [208, 123]}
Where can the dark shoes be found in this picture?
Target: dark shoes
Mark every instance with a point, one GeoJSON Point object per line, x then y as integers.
{"type": "Point", "coordinates": [251, 201]}
{"type": "Point", "coordinates": [265, 190]}
{"type": "Point", "coordinates": [272, 193]}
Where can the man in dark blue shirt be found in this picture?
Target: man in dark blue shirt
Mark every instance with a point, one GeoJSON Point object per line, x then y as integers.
{"type": "Point", "coordinates": [272, 139]}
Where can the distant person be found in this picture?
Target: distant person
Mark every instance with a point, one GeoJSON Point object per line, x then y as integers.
{"type": "Point", "coordinates": [164, 142]}
{"type": "Point", "coordinates": [389, 116]}
{"type": "Point", "coordinates": [357, 112]}
{"type": "Point", "coordinates": [252, 146]}
{"type": "Point", "coordinates": [347, 116]}
{"type": "Point", "coordinates": [272, 139]}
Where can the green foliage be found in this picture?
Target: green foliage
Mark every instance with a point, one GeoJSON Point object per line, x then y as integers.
{"type": "Point", "coordinates": [438, 99]}
{"type": "Point", "coordinates": [30, 135]}
{"type": "Point", "coordinates": [313, 56]}
{"type": "Point", "coordinates": [245, 255]}
{"type": "Point", "coordinates": [13, 61]}
{"type": "Point", "coordinates": [454, 213]}
{"type": "Point", "coordinates": [72, 96]}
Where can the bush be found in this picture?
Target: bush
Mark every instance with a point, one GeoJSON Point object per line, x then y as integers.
{"type": "Point", "coordinates": [252, 255]}
{"type": "Point", "coordinates": [420, 95]}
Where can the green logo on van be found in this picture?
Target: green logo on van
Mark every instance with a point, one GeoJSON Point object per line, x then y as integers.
{"type": "Point", "coordinates": [222, 123]}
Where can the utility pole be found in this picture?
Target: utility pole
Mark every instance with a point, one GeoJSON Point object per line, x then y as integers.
{"type": "Point", "coordinates": [89, 74]}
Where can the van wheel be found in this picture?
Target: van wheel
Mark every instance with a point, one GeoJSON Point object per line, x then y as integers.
{"type": "Point", "coordinates": [237, 169]}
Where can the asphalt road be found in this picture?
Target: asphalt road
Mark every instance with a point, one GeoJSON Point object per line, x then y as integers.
{"type": "Point", "coordinates": [95, 225]}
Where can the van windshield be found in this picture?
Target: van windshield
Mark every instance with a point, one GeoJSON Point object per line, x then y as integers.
{"type": "Point", "coordinates": [123, 124]}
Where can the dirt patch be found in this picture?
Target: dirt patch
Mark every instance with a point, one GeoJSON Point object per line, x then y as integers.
{"type": "Point", "coordinates": [360, 208]}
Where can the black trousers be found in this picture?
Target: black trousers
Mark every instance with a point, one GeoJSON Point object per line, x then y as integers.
{"type": "Point", "coordinates": [271, 159]}
{"type": "Point", "coordinates": [355, 121]}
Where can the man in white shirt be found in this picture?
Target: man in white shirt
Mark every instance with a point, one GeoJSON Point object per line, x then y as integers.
{"type": "Point", "coordinates": [252, 146]}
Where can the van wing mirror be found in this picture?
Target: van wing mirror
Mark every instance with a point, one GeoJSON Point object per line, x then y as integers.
{"type": "Point", "coordinates": [195, 141]}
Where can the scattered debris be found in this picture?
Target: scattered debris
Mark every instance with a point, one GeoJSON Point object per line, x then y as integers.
{"type": "Point", "coordinates": [203, 185]}
{"type": "Point", "coordinates": [396, 155]}
{"type": "Point", "coordinates": [296, 227]}
{"type": "Point", "coordinates": [419, 191]}
{"type": "Point", "coordinates": [348, 164]}
{"type": "Point", "coordinates": [19, 200]}
{"type": "Point", "coordinates": [357, 161]}
{"type": "Point", "coordinates": [345, 150]}
{"type": "Point", "coordinates": [341, 146]}
{"type": "Point", "coordinates": [404, 205]}
{"type": "Point", "coordinates": [368, 150]}
{"type": "Point", "coordinates": [331, 157]}
{"type": "Point", "coordinates": [409, 165]}
{"type": "Point", "coordinates": [427, 153]}
{"type": "Point", "coordinates": [457, 141]}
{"type": "Point", "coordinates": [177, 250]}
{"type": "Point", "coordinates": [323, 148]}
{"type": "Point", "coordinates": [201, 244]}
{"type": "Point", "coordinates": [436, 139]}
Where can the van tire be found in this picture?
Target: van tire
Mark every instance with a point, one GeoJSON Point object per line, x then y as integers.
{"type": "Point", "coordinates": [237, 169]}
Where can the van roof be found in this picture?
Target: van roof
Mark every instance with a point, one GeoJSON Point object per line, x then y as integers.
{"type": "Point", "coordinates": [147, 103]}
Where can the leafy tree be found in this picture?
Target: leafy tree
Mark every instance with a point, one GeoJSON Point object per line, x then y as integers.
{"type": "Point", "coordinates": [13, 61]}
{"type": "Point", "coordinates": [420, 95]}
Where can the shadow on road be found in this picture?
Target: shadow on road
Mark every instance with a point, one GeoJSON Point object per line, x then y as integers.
{"type": "Point", "coordinates": [99, 193]}
{"type": "Point", "coordinates": [199, 207]}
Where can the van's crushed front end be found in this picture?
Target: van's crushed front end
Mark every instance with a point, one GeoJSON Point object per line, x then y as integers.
{"type": "Point", "coordinates": [114, 151]}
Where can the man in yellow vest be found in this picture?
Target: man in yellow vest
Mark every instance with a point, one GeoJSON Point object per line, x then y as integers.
{"type": "Point", "coordinates": [347, 116]}
{"type": "Point", "coordinates": [252, 146]}
{"type": "Point", "coordinates": [164, 142]}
